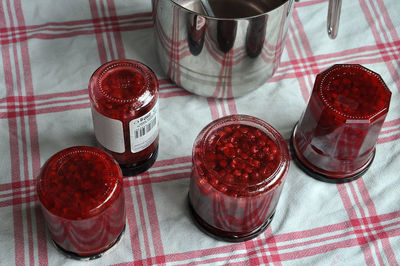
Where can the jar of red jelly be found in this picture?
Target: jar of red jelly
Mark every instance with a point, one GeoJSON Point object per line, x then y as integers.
{"type": "Point", "coordinates": [239, 168]}
{"type": "Point", "coordinates": [335, 138]}
{"type": "Point", "coordinates": [80, 190]}
{"type": "Point", "coordinates": [124, 100]}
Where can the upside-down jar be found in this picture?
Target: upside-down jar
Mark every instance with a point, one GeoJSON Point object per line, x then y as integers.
{"type": "Point", "coordinates": [239, 168]}
{"type": "Point", "coordinates": [124, 100]}
{"type": "Point", "coordinates": [80, 191]}
{"type": "Point", "coordinates": [334, 140]}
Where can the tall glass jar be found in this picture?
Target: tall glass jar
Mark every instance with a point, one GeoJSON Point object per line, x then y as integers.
{"type": "Point", "coordinates": [239, 168]}
{"type": "Point", "coordinates": [124, 100]}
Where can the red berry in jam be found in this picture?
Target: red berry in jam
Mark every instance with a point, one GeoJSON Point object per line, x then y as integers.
{"type": "Point", "coordinates": [80, 191]}
{"type": "Point", "coordinates": [239, 181]}
{"type": "Point", "coordinates": [336, 136]}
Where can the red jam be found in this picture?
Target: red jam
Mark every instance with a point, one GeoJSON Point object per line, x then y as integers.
{"type": "Point", "coordinates": [80, 191]}
{"type": "Point", "coordinates": [124, 96]}
{"type": "Point", "coordinates": [335, 138]}
{"type": "Point", "coordinates": [239, 167]}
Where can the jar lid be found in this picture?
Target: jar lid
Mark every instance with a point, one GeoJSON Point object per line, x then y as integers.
{"type": "Point", "coordinates": [79, 182]}
{"type": "Point", "coordinates": [124, 81]}
{"type": "Point", "coordinates": [353, 92]}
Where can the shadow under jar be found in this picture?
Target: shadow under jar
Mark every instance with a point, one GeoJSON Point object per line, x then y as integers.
{"type": "Point", "coordinates": [335, 138]}
{"type": "Point", "coordinates": [239, 168]}
{"type": "Point", "coordinates": [124, 100]}
{"type": "Point", "coordinates": [80, 191]}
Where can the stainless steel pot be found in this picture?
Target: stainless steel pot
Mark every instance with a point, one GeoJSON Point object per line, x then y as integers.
{"type": "Point", "coordinates": [228, 55]}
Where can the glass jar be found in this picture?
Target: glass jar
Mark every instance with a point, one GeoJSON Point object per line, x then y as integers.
{"type": "Point", "coordinates": [334, 140]}
{"type": "Point", "coordinates": [124, 100]}
{"type": "Point", "coordinates": [80, 191]}
{"type": "Point", "coordinates": [239, 168]}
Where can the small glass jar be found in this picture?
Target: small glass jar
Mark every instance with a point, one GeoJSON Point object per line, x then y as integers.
{"type": "Point", "coordinates": [80, 191]}
{"type": "Point", "coordinates": [124, 100]}
{"type": "Point", "coordinates": [335, 139]}
{"type": "Point", "coordinates": [239, 168]}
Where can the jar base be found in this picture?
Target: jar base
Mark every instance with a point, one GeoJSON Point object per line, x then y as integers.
{"type": "Point", "coordinates": [138, 169]}
{"type": "Point", "coordinates": [225, 235]}
{"type": "Point", "coordinates": [319, 176]}
{"type": "Point", "coordinates": [75, 256]}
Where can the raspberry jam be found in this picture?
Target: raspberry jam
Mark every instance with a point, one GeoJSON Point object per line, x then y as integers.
{"type": "Point", "coordinates": [335, 138]}
{"type": "Point", "coordinates": [124, 95]}
{"type": "Point", "coordinates": [239, 168]}
{"type": "Point", "coordinates": [81, 195]}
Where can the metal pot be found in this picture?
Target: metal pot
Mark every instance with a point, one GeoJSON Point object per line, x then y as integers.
{"type": "Point", "coordinates": [229, 54]}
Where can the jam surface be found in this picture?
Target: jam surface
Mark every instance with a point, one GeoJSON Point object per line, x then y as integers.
{"type": "Point", "coordinates": [354, 92]}
{"type": "Point", "coordinates": [240, 156]}
{"type": "Point", "coordinates": [79, 183]}
{"type": "Point", "coordinates": [123, 83]}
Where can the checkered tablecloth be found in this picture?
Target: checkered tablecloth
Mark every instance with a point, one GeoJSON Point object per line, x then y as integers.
{"type": "Point", "coordinates": [49, 49]}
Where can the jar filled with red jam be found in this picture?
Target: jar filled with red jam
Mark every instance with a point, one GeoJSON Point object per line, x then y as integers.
{"type": "Point", "coordinates": [335, 138]}
{"type": "Point", "coordinates": [124, 100]}
{"type": "Point", "coordinates": [80, 190]}
{"type": "Point", "coordinates": [239, 168]}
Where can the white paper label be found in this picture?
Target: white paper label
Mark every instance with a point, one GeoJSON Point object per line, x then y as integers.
{"type": "Point", "coordinates": [144, 130]}
{"type": "Point", "coordinates": [109, 132]}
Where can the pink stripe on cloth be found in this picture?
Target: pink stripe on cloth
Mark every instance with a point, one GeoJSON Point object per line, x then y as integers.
{"type": "Point", "coordinates": [99, 35]}
{"type": "Point", "coordinates": [372, 212]}
{"type": "Point", "coordinates": [154, 225]}
{"type": "Point", "coordinates": [376, 33]}
{"type": "Point", "coordinates": [116, 30]}
{"type": "Point", "coordinates": [108, 37]}
{"type": "Point", "coordinates": [361, 240]}
{"type": "Point", "coordinates": [132, 224]}
{"type": "Point", "coordinates": [292, 55]}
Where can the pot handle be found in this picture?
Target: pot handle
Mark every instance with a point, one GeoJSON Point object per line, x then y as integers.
{"type": "Point", "coordinates": [333, 17]}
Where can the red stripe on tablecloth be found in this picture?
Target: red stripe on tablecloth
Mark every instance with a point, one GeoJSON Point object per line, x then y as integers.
{"type": "Point", "coordinates": [309, 3]}
{"type": "Point", "coordinates": [372, 212]}
{"type": "Point", "coordinates": [116, 30]}
{"type": "Point", "coordinates": [362, 241]}
{"type": "Point", "coordinates": [370, 236]}
{"type": "Point", "coordinates": [212, 103]}
{"type": "Point", "coordinates": [13, 99]}
{"type": "Point", "coordinates": [388, 139]}
{"type": "Point", "coordinates": [376, 33]}
{"type": "Point", "coordinates": [322, 64]}
{"type": "Point", "coordinates": [108, 36]}
{"type": "Point", "coordinates": [132, 223]}
{"type": "Point", "coordinates": [34, 149]}
{"type": "Point", "coordinates": [396, 77]}
{"type": "Point", "coordinates": [99, 36]}
{"type": "Point", "coordinates": [154, 224]}
{"type": "Point", "coordinates": [384, 132]}
{"type": "Point", "coordinates": [54, 33]}
{"type": "Point", "coordinates": [48, 110]}
{"type": "Point", "coordinates": [271, 247]}
{"type": "Point", "coordinates": [391, 123]}
{"type": "Point", "coordinates": [228, 249]}
{"type": "Point", "coordinates": [291, 53]}
{"type": "Point", "coordinates": [46, 36]}
{"type": "Point", "coordinates": [48, 26]}
{"type": "Point", "coordinates": [14, 151]}
{"type": "Point", "coordinates": [19, 105]}
{"type": "Point", "coordinates": [143, 223]}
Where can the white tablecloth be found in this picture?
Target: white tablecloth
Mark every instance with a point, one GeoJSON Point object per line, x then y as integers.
{"type": "Point", "coordinates": [49, 49]}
